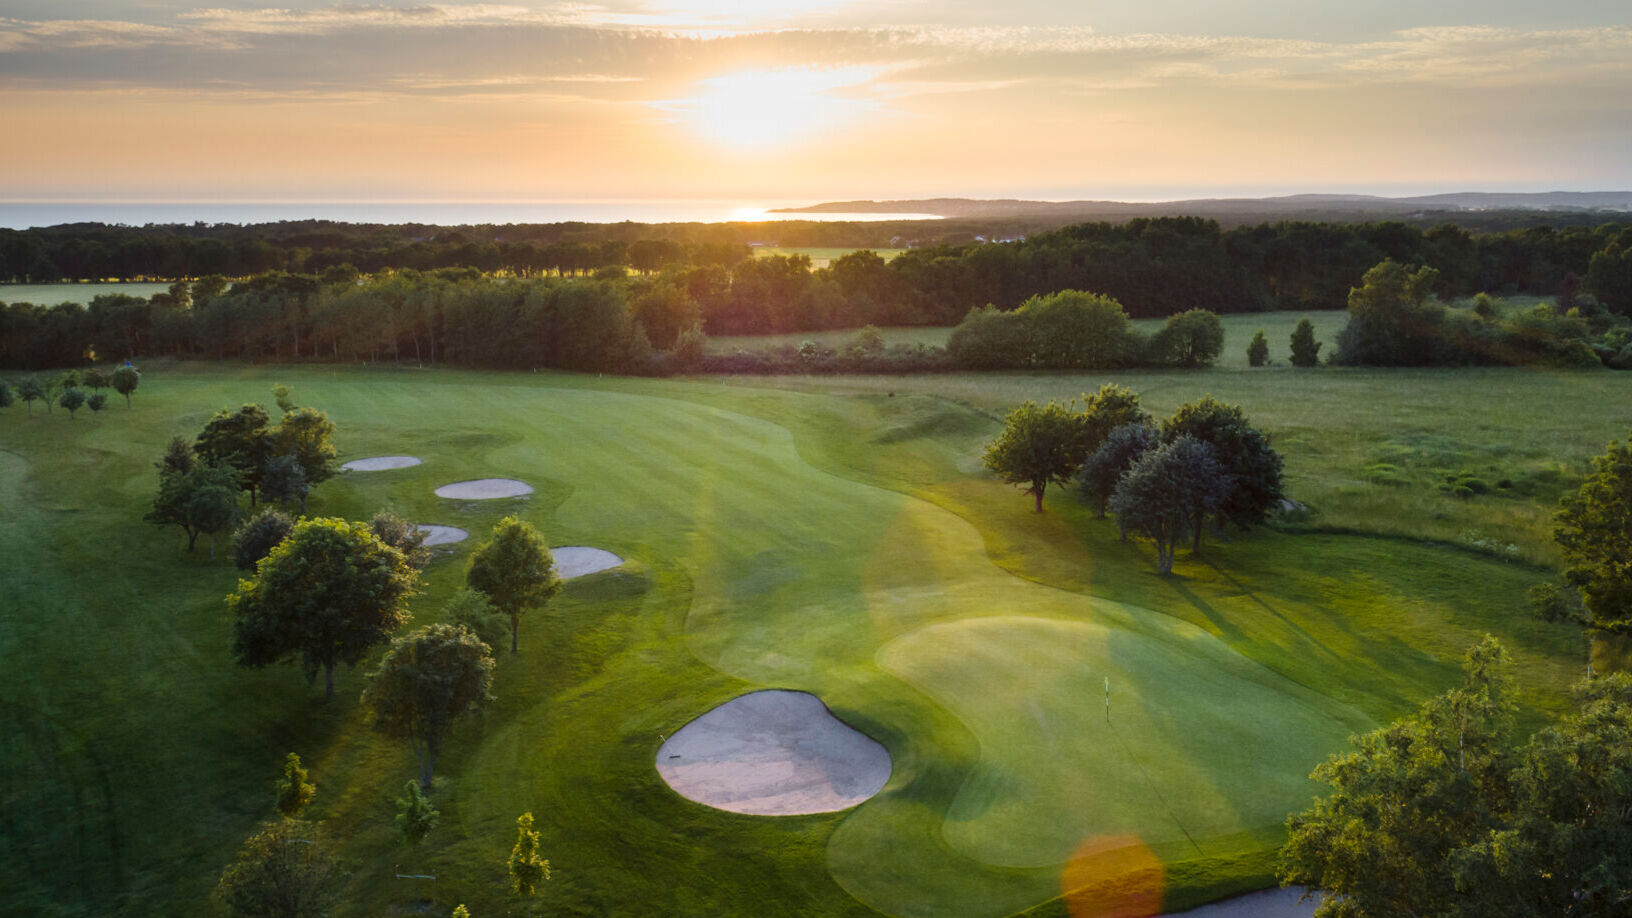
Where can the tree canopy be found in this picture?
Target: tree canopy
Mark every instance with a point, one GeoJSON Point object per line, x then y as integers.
{"type": "Point", "coordinates": [325, 595]}
{"type": "Point", "coordinates": [1594, 532]}
{"type": "Point", "coordinates": [1038, 445]}
{"type": "Point", "coordinates": [282, 871]}
{"type": "Point", "coordinates": [1253, 467]}
{"type": "Point", "coordinates": [1445, 814]}
{"type": "Point", "coordinates": [1167, 493]}
{"type": "Point", "coordinates": [202, 500]}
{"type": "Point", "coordinates": [426, 680]}
{"type": "Point", "coordinates": [1105, 468]}
{"type": "Point", "coordinates": [515, 570]}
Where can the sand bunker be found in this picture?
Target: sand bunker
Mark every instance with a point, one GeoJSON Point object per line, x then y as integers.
{"type": "Point", "coordinates": [773, 753]}
{"type": "Point", "coordinates": [485, 489]}
{"type": "Point", "coordinates": [577, 560]}
{"type": "Point", "coordinates": [442, 535]}
{"type": "Point", "coordinates": [380, 463]}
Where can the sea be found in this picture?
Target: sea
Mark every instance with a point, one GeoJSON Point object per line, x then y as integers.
{"type": "Point", "coordinates": [25, 214]}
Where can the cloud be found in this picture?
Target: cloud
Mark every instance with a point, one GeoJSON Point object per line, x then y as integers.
{"type": "Point", "coordinates": [610, 50]}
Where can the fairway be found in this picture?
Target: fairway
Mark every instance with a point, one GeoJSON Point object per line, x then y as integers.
{"type": "Point", "coordinates": [844, 545]}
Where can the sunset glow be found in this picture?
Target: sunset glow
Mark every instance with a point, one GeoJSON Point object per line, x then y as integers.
{"type": "Point", "coordinates": [762, 109]}
{"type": "Point", "coordinates": [812, 99]}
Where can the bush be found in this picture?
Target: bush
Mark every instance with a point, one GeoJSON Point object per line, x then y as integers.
{"type": "Point", "coordinates": [1190, 339]}
{"type": "Point", "coordinates": [1258, 350]}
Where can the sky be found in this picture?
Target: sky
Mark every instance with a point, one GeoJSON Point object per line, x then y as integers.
{"type": "Point", "coordinates": [808, 100]}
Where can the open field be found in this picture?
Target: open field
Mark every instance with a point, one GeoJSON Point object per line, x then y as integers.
{"type": "Point", "coordinates": [830, 535]}
{"type": "Point", "coordinates": [820, 257]}
{"type": "Point", "coordinates": [1238, 331]}
{"type": "Point", "coordinates": [52, 294]}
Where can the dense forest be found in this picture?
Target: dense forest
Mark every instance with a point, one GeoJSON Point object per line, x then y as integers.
{"type": "Point", "coordinates": [613, 302]}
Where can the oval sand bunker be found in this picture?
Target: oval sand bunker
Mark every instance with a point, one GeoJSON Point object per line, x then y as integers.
{"type": "Point", "coordinates": [380, 463]}
{"type": "Point", "coordinates": [485, 489]}
{"type": "Point", "coordinates": [578, 560]}
{"type": "Point", "coordinates": [442, 535]}
{"type": "Point", "coordinates": [773, 753]}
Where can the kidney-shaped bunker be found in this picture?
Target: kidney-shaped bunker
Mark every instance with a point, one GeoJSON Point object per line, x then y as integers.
{"type": "Point", "coordinates": [579, 560]}
{"type": "Point", "coordinates": [773, 753]}
{"type": "Point", "coordinates": [485, 489]}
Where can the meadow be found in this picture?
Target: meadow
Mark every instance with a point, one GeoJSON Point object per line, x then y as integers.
{"type": "Point", "coordinates": [834, 535]}
{"type": "Point", "coordinates": [820, 256]}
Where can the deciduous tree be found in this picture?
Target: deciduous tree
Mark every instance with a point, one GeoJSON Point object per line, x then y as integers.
{"type": "Point", "coordinates": [284, 480]}
{"type": "Point", "coordinates": [1192, 338]}
{"type": "Point", "coordinates": [1111, 407]}
{"type": "Point", "coordinates": [97, 402]}
{"type": "Point", "coordinates": [1253, 467]}
{"type": "Point", "coordinates": [30, 391]}
{"type": "Point", "coordinates": [73, 400]}
{"type": "Point", "coordinates": [256, 538]}
{"type": "Point", "coordinates": [202, 501]}
{"type": "Point", "coordinates": [1168, 492]}
{"type": "Point", "coordinates": [1407, 800]}
{"type": "Point", "coordinates": [307, 434]}
{"type": "Point", "coordinates": [1038, 445]}
{"type": "Point", "coordinates": [515, 570]}
{"type": "Point", "coordinates": [239, 439]}
{"type": "Point", "coordinates": [1105, 468]}
{"type": "Point", "coordinates": [325, 595]}
{"type": "Point", "coordinates": [125, 380]}
{"type": "Point", "coordinates": [426, 680]}
{"type": "Point", "coordinates": [402, 535]}
{"type": "Point", "coordinates": [1594, 532]}
{"type": "Point", "coordinates": [283, 871]}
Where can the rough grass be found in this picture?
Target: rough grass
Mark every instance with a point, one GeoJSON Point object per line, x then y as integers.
{"type": "Point", "coordinates": [826, 536]}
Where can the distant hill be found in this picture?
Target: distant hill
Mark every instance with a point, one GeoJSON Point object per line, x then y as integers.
{"type": "Point", "coordinates": [1307, 206]}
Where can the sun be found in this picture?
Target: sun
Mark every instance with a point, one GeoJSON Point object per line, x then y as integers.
{"type": "Point", "coordinates": [762, 109]}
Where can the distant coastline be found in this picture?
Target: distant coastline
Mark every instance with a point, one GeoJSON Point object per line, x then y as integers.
{"type": "Point", "coordinates": [1286, 205]}
{"type": "Point", "coordinates": [25, 214]}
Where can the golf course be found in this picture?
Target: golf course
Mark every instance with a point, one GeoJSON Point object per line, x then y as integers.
{"type": "Point", "coordinates": [1065, 727]}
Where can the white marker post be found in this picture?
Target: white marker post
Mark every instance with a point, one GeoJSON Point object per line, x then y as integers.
{"type": "Point", "coordinates": [1107, 697]}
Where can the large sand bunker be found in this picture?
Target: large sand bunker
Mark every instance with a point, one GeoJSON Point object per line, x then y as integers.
{"type": "Point", "coordinates": [380, 463]}
{"type": "Point", "coordinates": [485, 489]}
{"type": "Point", "coordinates": [578, 560]}
{"type": "Point", "coordinates": [442, 535]}
{"type": "Point", "coordinates": [773, 753]}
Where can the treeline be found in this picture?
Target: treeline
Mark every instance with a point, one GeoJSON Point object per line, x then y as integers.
{"type": "Point", "coordinates": [1153, 267]}
{"type": "Point", "coordinates": [1395, 321]}
{"type": "Point", "coordinates": [96, 251]}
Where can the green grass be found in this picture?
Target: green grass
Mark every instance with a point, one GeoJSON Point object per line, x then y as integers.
{"type": "Point", "coordinates": [52, 294]}
{"type": "Point", "coordinates": [832, 535]}
{"type": "Point", "coordinates": [820, 257]}
{"type": "Point", "coordinates": [835, 338]}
